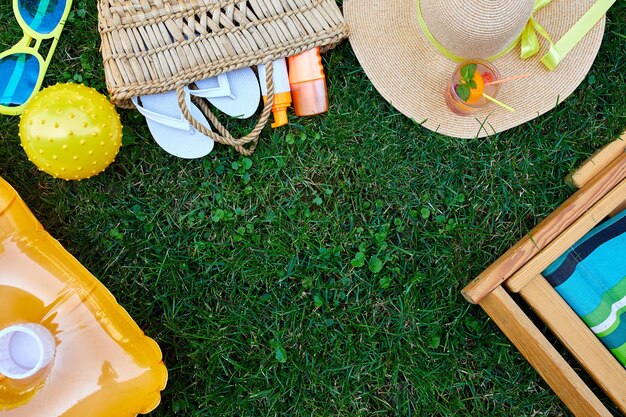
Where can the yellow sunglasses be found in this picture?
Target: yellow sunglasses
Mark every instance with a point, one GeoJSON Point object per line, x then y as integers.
{"type": "Point", "coordinates": [22, 67]}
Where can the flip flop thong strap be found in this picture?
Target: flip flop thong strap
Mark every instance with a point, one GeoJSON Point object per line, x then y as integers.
{"type": "Point", "coordinates": [180, 123]}
{"type": "Point", "coordinates": [226, 138]}
{"type": "Point", "coordinates": [222, 89]}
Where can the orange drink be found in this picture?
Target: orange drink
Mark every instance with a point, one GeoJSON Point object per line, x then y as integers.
{"type": "Point", "coordinates": [470, 82]}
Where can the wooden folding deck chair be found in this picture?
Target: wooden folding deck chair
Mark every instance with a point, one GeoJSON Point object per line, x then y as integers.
{"type": "Point", "coordinates": [602, 191]}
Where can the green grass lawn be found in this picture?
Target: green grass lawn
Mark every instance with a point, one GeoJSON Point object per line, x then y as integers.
{"type": "Point", "coordinates": [321, 276]}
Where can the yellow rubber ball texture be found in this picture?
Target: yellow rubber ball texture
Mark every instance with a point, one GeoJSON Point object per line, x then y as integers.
{"type": "Point", "coordinates": [70, 131]}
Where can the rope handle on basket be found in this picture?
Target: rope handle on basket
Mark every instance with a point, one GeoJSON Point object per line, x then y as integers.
{"type": "Point", "coordinates": [225, 137]}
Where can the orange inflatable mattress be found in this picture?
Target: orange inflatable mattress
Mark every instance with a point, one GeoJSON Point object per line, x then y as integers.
{"type": "Point", "coordinates": [67, 348]}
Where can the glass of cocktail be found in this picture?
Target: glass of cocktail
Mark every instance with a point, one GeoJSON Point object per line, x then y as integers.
{"type": "Point", "coordinates": [471, 82]}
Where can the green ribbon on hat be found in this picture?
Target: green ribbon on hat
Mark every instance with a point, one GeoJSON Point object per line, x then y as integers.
{"type": "Point", "coordinates": [559, 50]}
{"type": "Point", "coordinates": [529, 42]}
{"type": "Point", "coordinates": [528, 39]}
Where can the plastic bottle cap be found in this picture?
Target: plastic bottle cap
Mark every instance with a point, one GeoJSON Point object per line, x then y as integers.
{"type": "Point", "coordinates": [25, 349]}
{"type": "Point", "coordinates": [306, 66]}
{"type": "Point", "coordinates": [280, 118]}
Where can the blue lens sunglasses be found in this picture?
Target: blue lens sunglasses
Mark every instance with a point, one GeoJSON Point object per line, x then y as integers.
{"type": "Point", "coordinates": [22, 68]}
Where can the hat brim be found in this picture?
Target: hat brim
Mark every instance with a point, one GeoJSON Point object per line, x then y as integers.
{"type": "Point", "coordinates": [412, 75]}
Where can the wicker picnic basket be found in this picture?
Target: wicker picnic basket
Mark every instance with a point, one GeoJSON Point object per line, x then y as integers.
{"type": "Point", "coordinates": [154, 46]}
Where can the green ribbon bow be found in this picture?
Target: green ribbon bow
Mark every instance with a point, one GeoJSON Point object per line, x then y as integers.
{"type": "Point", "coordinates": [529, 42]}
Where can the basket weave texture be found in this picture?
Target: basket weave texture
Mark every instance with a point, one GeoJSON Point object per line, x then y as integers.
{"type": "Point", "coordinates": [154, 46]}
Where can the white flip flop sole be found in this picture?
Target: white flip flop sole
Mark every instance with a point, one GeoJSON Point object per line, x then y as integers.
{"type": "Point", "coordinates": [236, 93]}
{"type": "Point", "coordinates": [169, 128]}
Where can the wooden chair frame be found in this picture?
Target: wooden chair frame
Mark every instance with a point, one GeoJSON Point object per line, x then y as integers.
{"type": "Point", "coordinates": [601, 183]}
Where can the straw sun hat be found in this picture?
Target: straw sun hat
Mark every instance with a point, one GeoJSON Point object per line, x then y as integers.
{"type": "Point", "coordinates": [411, 65]}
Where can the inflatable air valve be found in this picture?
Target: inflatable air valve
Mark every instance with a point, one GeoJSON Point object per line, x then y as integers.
{"type": "Point", "coordinates": [67, 348]}
{"type": "Point", "coordinates": [25, 350]}
{"type": "Point", "coordinates": [282, 91]}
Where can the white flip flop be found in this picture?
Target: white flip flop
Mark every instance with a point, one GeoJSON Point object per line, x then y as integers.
{"type": "Point", "coordinates": [169, 127]}
{"type": "Point", "coordinates": [236, 93]}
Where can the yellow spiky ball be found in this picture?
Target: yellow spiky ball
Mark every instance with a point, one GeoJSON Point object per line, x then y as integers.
{"type": "Point", "coordinates": [70, 131]}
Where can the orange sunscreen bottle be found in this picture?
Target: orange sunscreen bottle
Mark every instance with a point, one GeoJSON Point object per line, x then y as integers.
{"type": "Point", "coordinates": [282, 92]}
{"type": "Point", "coordinates": [308, 83]}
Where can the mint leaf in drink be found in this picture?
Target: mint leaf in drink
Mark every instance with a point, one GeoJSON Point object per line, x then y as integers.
{"type": "Point", "coordinates": [464, 73]}
{"type": "Point", "coordinates": [463, 91]}
{"type": "Point", "coordinates": [467, 72]}
{"type": "Point", "coordinates": [472, 84]}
